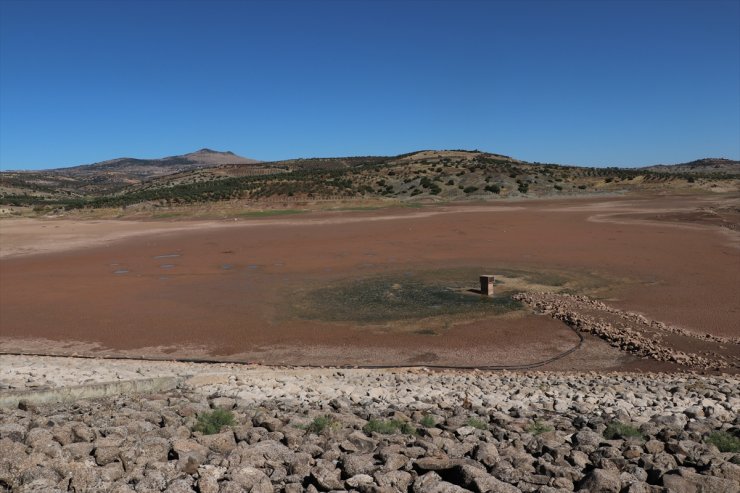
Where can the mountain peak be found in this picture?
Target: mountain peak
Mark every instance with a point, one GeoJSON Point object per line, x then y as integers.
{"type": "Point", "coordinates": [206, 150]}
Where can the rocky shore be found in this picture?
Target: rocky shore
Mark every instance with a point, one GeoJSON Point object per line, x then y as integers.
{"type": "Point", "coordinates": [636, 334]}
{"type": "Point", "coordinates": [385, 431]}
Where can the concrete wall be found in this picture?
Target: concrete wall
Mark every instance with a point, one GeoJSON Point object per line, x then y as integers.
{"type": "Point", "coordinates": [91, 391]}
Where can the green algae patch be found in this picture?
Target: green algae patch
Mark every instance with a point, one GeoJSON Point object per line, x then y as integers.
{"type": "Point", "coordinates": [385, 299]}
{"type": "Point", "coordinates": [449, 294]}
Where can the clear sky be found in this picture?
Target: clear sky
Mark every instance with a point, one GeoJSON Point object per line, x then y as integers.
{"type": "Point", "coordinates": [595, 83]}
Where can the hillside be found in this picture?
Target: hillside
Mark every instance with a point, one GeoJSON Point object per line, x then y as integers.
{"type": "Point", "coordinates": [428, 175]}
{"type": "Point", "coordinates": [706, 165]}
{"type": "Point", "coordinates": [108, 176]}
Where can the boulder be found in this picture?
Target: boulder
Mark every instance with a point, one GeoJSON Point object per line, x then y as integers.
{"type": "Point", "coordinates": [221, 443]}
{"type": "Point", "coordinates": [601, 481]}
{"type": "Point", "coordinates": [251, 479]}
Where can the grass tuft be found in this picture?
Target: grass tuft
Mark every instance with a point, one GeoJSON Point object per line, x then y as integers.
{"type": "Point", "coordinates": [211, 422]}
{"type": "Point", "coordinates": [428, 421]}
{"type": "Point", "coordinates": [477, 423]}
{"type": "Point", "coordinates": [538, 427]}
{"type": "Point", "coordinates": [389, 427]}
{"type": "Point", "coordinates": [724, 441]}
{"type": "Point", "coordinates": [615, 429]}
{"type": "Point", "coordinates": [320, 424]}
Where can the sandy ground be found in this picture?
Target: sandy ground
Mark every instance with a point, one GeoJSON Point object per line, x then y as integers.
{"type": "Point", "coordinates": [223, 289]}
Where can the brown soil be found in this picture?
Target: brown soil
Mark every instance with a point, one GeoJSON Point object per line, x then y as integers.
{"type": "Point", "coordinates": [226, 295]}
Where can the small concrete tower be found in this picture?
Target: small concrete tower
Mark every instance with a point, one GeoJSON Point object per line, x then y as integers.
{"type": "Point", "coordinates": [486, 285]}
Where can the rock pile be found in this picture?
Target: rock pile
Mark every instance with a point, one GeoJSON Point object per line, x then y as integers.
{"type": "Point", "coordinates": [387, 431]}
{"type": "Point", "coordinates": [630, 332]}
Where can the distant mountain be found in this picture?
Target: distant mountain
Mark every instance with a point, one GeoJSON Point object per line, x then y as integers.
{"type": "Point", "coordinates": [144, 168]}
{"type": "Point", "coordinates": [706, 165]}
{"type": "Point", "coordinates": [107, 176]}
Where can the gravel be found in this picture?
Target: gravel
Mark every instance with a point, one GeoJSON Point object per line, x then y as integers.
{"type": "Point", "coordinates": [485, 431]}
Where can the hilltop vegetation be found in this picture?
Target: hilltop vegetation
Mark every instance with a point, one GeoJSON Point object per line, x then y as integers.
{"type": "Point", "coordinates": [424, 175]}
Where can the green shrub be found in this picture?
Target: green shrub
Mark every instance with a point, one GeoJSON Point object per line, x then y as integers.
{"type": "Point", "coordinates": [428, 421]}
{"type": "Point", "coordinates": [388, 427]}
{"type": "Point", "coordinates": [211, 422]}
{"type": "Point", "coordinates": [724, 441]}
{"type": "Point", "coordinates": [493, 189]}
{"type": "Point", "coordinates": [477, 423]}
{"type": "Point", "coordinates": [538, 427]}
{"type": "Point", "coordinates": [615, 429]}
{"type": "Point", "coordinates": [320, 423]}
{"type": "Point", "coordinates": [470, 189]}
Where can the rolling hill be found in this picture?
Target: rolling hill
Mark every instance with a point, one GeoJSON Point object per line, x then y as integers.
{"type": "Point", "coordinates": [706, 165]}
{"type": "Point", "coordinates": [107, 176]}
{"type": "Point", "coordinates": [429, 175]}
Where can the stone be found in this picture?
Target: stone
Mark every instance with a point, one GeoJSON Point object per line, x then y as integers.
{"type": "Point", "coordinates": [155, 449]}
{"type": "Point", "coordinates": [358, 480]}
{"type": "Point", "coordinates": [179, 486]}
{"type": "Point", "coordinates": [223, 403]}
{"type": "Point", "coordinates": [251, 479]}
{"type": "Point", "coordinates": [654, 446]}
{"type": "Point", "coordinates": [82, 433]}
{"type": "Point", "coordinates": [106, 455]}
{"type": "Point", "coordinates": [221, 443]}
{"type": "Point", "coordinates": [188, 465]}
{"type": "Point", "coordinates": [362, 442]}
{"type": "Point", "coordinates": [328, 478]}
{"type": "Point", "coordinates": [394, 480]}
{"type": "Point", "coordinates": [601, 481]}
{"type": "Point", "coordinates": [675, 421]}
{"type": "Point", "coordinates": [354, 464]}
{"type": "Point", "coordinates": [111, 472]}
{"type": "Point", "coordinates": [185, 448]}
{"type": "Point", "coordinates": [82, 476]}
{"type": "Point", "coordinates": [464, 431]}
{"type": "Point", "coordinates": [433, 464]}
{"type": "Point", "coordinates": [393, 461]}
{"type": "Point", "coordinates": [13, 431]}
{"type": "Point", "coordinates": [489, 484]}
{"type": "Point", "coordinates": [26, 405]}
{"type": "Point", "coordinates": [587, 439]}
{"type": "Point", "coordinates": [690, 482]}
{"type": "Point", "coordinates": [268, 422]}
{"type": "Point", "coordinates": [487, 453]}
{"type": "Point", "coordinates": [425, 482]}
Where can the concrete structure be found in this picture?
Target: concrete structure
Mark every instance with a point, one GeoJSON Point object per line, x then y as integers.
{"type": "Point", "coordinates": [486, 285]}
{"type": "Point", "coordinates": [66, 395]}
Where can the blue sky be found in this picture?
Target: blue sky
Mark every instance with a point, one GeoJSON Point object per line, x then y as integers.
{"type": "Point", "coordinates": [590, 83]}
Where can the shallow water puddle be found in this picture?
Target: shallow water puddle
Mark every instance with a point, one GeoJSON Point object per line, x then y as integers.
{"type": "Point", "coordinates": [168, 255]}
